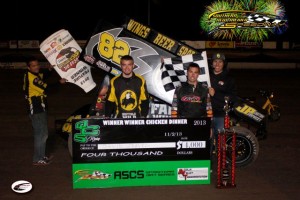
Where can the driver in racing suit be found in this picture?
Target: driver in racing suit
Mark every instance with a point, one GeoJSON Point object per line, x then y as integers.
{"type": "Point", "coordinates": [190, 98]}
{"type": "Point", "coordinates": [127, 95]}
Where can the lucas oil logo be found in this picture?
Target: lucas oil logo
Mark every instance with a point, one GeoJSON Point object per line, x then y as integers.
{"type": "Point", "coordinates": [67, 58]}
{"type": "Point", "coordinates": [128, 100]}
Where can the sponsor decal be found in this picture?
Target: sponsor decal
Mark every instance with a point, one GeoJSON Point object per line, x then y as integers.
{"type": "Point", "coordinates": [191, 98]}
{"type": "Point", "coordinates": [184, 174]}
{"type": "Point", "coordinates": [134, 174]}
{"type": "Point", "coordinates": [111, 47]}
{"type": "Point", "coordinates": [244, 20]}
{"type": "Point", "coordinates": [67, 127]}
{"type": "Point", "coordinates": [250, 112]}
{"type": "Point", "coordinates": [87, 174]}
{"type": "Point", "coordinates": [128, 100]}
{"type": "Point", "coordinates": [67, 58]}
{"type": "Point", "coordinates": [158, 39]}
{"type": "Point", "coordinates": [159, 110]}
{"type": "Point", "coordinates": [89, 59]}
{"type": "Point", "coordinates": [86, 131]}
{"type": "Point", "coordinates": [219, 44]}
{"type": "Point", "coordinates": [21, 186]}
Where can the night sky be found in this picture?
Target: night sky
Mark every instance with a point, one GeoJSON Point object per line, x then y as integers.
{"type": "Point", "coordinates": [80, 19]}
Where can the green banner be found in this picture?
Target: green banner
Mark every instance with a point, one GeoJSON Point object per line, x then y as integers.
{"type": "Point", "coordinates": [154, 173]}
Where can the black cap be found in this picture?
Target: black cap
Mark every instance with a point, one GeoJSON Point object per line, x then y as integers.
{"type": "Point", "coordinates": [218, 56]}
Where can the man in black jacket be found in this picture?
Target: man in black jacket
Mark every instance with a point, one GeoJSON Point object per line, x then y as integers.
{"type": "Point", "coordinates": [190, 98]}
{"type": "Point", "coordinates": [222, 84]}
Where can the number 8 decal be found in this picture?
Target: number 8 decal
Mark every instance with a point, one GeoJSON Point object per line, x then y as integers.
{"type": "Point", "coordinates": [111, 49]}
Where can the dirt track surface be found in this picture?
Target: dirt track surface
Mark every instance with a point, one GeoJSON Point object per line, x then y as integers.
{"type": "Point", "coordinates": [274, 175]}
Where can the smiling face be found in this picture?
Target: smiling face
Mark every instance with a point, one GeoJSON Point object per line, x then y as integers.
{"type": "Point", "coordinates": [127, 68]}
{"type": "Point", "coordinates": [218, 65]}
{"type": "Point", "coordinates": [192, 75]}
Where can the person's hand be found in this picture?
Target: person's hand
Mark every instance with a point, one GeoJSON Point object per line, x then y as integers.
{"type": "Point", "coordinates": [63, 81]}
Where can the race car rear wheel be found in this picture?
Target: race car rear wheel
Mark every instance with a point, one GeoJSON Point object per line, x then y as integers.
{"type": "Point", "coordinates": [247, 146]}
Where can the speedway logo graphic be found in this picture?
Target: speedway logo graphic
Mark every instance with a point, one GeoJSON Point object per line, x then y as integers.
{"type": "Point", "coordinates": [21, 186]}
{"type": "Point", "coordinates": [67, 58]}
{"type": "Point", "coordinates": [88, 174]}
{"type": "Point", "coordinates": [184, 174]}
{"type": "Point", "coordinates": [87, 132]}
{"type": "Point", "coordinates": [230, 19]}
{"type": "Point", "coordinates": [244, 20]}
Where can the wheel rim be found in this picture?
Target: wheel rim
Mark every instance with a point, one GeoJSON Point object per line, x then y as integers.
{"type": "Point", "coordinates": [243, 148]}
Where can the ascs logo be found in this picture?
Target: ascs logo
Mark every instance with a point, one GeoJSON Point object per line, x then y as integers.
{"type": "Point", "coordinates": [21, 186]}
{"type": "Point", "coordinates": [139, 174]}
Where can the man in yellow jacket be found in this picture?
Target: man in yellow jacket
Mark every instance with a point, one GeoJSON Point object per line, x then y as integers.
{"type": "Point", "coordinates": [35, 87]}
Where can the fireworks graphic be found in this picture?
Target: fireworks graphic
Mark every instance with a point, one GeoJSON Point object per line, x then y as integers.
{"type": "Point", "coordinates": [245, 20]}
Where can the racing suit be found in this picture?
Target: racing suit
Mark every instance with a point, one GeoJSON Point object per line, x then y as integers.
{"type": "Point", "coordinates": [189, 101]}
{"type": "Point", "coordinates": [127, 97]}
{"type": "Point", "coordinates": [34, 88]}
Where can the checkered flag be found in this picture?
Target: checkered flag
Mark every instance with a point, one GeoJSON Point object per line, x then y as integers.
{"type": "Point", "coordinates": [259, 18]}
{"type": "Point", "coordinates": [174, 70]}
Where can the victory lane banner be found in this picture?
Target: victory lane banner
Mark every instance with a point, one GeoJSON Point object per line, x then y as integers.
{"type": "Point", "coordinates": [168, 151]}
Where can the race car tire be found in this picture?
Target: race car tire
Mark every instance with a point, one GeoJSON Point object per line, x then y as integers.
{"type": "Point", "coordinates": [247, 146]}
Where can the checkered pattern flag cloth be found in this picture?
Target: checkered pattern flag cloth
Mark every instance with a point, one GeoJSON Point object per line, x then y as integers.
{"type": "Point", "coordinates": [174, 70]}
{"type": "Point", "coordinates": [259, 18]}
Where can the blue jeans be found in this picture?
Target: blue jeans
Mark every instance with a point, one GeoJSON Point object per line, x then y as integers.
{"type": "Point", "coordinates": [40, 133]}
{"type": "Point", "coordinates": [217, 125]}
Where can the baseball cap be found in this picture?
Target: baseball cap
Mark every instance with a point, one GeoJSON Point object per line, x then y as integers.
{"type": "Point", "coordinates": [218, 56]}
